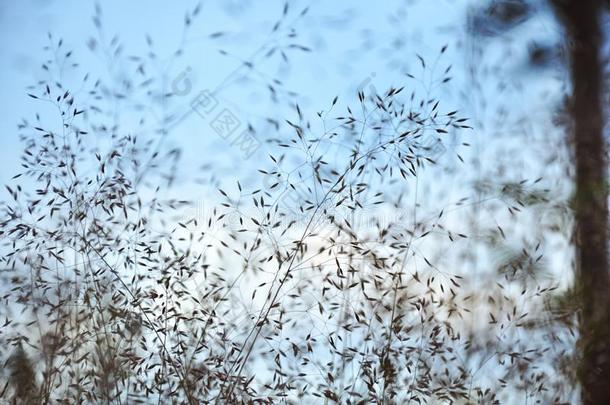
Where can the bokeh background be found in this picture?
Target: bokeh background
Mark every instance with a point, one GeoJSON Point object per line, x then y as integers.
{"type": "Point", "coordinates": [269, 62]}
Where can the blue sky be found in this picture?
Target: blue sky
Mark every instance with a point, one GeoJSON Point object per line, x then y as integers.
{"type": "Point", "coordinates": [343, 35]}
{"type": "Point", "coordinates": [352, 43]}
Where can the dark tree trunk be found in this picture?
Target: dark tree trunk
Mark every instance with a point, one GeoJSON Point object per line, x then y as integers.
{"type": "Point", "coordinates": [582, 22]}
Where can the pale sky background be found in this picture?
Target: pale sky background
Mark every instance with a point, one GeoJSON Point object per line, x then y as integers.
{"type": "Point", "coordinates": [351, 42]}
